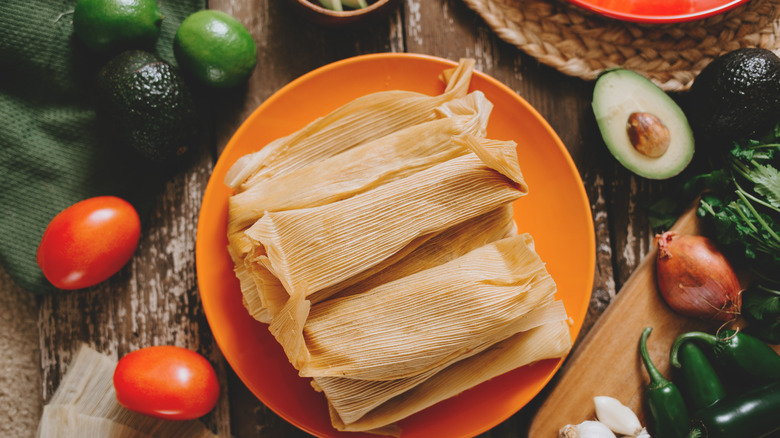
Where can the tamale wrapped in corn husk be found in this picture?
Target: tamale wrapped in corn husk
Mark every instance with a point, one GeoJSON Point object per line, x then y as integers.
{"type": "Point", "coordinates": [424, 320]}
{"type": "Point", "coordinates": [273, 296]}
{"type": "Point", "coordinates": [439, 249]}
{"type": "Point", "coordinates": [549, 341]}
{"type": "Point", "coordinates": [322, 246]}
{"type": "Point", "coordinates": [264, 287]}
{"type": "Point", "coordinates": [364, 119]}
{"type": "Point", "coordinates": [352, 398]}
{"type": "Point", "coordinates": [359, 169]}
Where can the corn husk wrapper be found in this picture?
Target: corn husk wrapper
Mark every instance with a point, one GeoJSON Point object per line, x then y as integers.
{"type": "Point", "coordinates": [364, 119]}
{"type": "Point", "coordinates": [445, 311]}
{"type": "Point", "coordinates": [439, 249]}
{"type": "Point", "coordinates": [86, 401]}
{"type": "Point", "coordinates": [549, 341]}
{"type": "Point", "coordinates": [351, 398]}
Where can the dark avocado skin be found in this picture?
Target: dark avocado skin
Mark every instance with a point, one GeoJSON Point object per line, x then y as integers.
{"type": "Point", "coordinates": [737, 95]}
{"type": "Point", "coordinates": [147, 106]}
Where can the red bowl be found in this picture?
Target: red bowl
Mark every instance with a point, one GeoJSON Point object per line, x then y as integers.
{"type": "Point", "coordinates": [658, 11]}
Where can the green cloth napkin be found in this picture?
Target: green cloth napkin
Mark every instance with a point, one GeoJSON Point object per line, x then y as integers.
{"type": "Point", "coordinates": [52, 153]}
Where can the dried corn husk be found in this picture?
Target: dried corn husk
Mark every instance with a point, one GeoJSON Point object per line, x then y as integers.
{"type": "Point", "coordinates": [364, 119]}
{"type": "Point", "coordinates": [379, 245]}
{"type": "Point", "coordinates": [439, 249]}
{"type": "Point", "coordinates": [264, 294]}
{"type": "Point", "coordinates": [250, 294]}
{"type": "Point", "coordinates": [322, 246]}
{"type": "Point", "coordinates": [85, 401]}
{"type": "Point", "coordinates": [60, 421]}
{"type": "Point", "coordinates": [352, 398]}
{"type": "Point", "coordinates": [549, 341]}
{"type": "Point", "coordinates": [446, 311]}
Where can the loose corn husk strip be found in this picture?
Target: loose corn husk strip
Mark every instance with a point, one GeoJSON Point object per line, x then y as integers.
{"type": "Point", "coordinates": [549, 341]}
{"type": "Point", "coordinates": [352, 398]}
{"type": "Point", "coordinates": [86, 401]}
{"type": "Point", "coordinates": [322, 246]}
{"type": "Point", "coordinates": [364, 119]}
{"type": "Point", "coordinates": [67, 422]}
{"type": "Point", "coordinates": [424, 320]}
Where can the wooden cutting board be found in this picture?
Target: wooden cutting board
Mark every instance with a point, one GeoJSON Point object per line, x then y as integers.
{"type": "Point", "coordinates": [607, 360]}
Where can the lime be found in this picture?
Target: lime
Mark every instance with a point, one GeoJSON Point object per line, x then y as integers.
{"type": "Point", "coordinates": [215, 48]}
{"type": "Point", "coordinates": [107, 26]}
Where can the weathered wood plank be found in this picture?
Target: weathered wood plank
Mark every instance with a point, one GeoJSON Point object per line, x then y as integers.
{"type": "Point", "coordinates": [20, 403]}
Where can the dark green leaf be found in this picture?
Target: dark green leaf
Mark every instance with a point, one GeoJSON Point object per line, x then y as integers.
{"type": "Point", "coordinates": [767, 183]}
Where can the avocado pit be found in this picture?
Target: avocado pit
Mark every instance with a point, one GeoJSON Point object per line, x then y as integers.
{"type": "Point", "coordinates": [648, 135]}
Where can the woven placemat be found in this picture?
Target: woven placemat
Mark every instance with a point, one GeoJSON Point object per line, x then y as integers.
{"type": "Point", "coordinates": [581, 43]}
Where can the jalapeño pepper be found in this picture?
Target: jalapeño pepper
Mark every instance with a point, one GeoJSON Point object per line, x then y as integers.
{"type": "Point", "coordinates": [737, 352]}
{"type": "Point", "coordinates": [752, 414]}
{"type": "Point", "coordinates": [664, 400]}
{"type": "Point", "coordinates": [697, 378]}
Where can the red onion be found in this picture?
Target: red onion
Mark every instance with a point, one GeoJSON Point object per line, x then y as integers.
{"type": "Point", "coordinates": [695, 278]}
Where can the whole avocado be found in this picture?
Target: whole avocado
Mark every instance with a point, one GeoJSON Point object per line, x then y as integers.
{"type": "Point", "coordinates": [147, 106]}
{"type": "Point", "coordinates": [736, 95]}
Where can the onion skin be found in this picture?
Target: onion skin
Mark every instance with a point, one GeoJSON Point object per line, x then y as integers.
{"type": "Point", "coordinates": [695, 278]}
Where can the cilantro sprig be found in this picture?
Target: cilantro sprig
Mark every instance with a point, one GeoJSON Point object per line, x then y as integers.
{"type": "Point", "coordinates": [741, 203]}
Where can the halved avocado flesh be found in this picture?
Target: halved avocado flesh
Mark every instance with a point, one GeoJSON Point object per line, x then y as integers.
{"type": "Point", "coordinates": [620, 93]}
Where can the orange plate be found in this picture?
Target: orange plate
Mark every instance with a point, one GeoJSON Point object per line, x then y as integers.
{"type": "Point", "coordinates": [659, 11]}
{"type": "Point", "coordinates": [556, 213]}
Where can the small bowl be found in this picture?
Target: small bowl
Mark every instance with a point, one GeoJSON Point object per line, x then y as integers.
{"type": "Point", "coordinates": [312, 10]}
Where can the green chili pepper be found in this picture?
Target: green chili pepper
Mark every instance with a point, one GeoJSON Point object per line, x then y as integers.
{"type": "Point", "coordinates": [737, 352]}
{"type": "Point", "coordinates": [664, 400]}
{"type": "Point", "coordinates": [752, 414]}
{"type": "Point", "coordinates": [697, 378]}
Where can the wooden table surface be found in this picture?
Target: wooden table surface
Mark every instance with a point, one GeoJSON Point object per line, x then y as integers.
{"type": "Point", "coordinates": [155, 300]}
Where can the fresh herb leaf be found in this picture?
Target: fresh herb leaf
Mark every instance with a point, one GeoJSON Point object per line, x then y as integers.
{"type": "Point", "coordinates": [767, 184]}
{"type": "Point", "coordinates": [761, 307]}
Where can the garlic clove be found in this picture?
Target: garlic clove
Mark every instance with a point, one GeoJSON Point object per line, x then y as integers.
{"type": "Point", "coordinates": [618, 417]}
{"type": "Point", "coordinates": [586, 429]}
{"type": "Point", "coordinates": [643, 434]}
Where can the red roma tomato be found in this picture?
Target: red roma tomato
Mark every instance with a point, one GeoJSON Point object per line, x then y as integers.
{"type": "Point", "coordinates": [88, 242]}
{"type": "Point", "coordinates": [167, 382]}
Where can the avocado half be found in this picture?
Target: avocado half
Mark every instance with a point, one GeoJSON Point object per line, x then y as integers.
{"type": "Point", "coordinates": [621, 98]}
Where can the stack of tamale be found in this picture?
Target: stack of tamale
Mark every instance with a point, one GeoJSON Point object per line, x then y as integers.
{"type": "Point", "coordinates": [378, 243]}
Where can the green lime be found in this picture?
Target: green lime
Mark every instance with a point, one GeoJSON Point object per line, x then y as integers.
{"type": "Point", "coordinates": [215, 48]}
{"type": "Point", "coordinates": [107, 26]}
